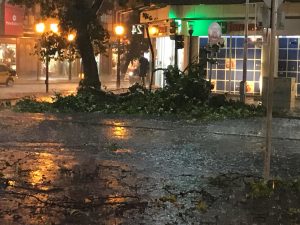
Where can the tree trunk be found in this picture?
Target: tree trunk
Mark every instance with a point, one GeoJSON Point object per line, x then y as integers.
{"type": "Point", "coordinates": [91, 77]}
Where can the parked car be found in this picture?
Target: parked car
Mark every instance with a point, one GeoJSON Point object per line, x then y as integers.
{"type": "Point", "coordinates": [7, 75]}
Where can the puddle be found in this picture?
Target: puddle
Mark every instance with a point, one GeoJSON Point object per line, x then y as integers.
{"type": "Point", "coordinates": [123, 150]}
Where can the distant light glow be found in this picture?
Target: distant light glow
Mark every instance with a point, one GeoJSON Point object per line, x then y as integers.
{"type": "Point", "coordinates": [254, 38]}
{"type": "Point", "coordinates": [40, 27]}
{"type": "Point", "coordinates": [153, 30]}
{"type": "Point", "coordinates": [71, 37]}
{"type": "Point", "coordinates": [119, 30]}
{"type": "Point", "coordinates": [54, 27]}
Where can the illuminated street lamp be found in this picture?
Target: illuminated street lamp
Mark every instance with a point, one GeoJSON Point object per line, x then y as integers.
{"type": "Point", "coordinates": [40, 28]}
{"type": "Point", "coordinates": [153, 31]}
{"type": "Point", "coordinates": [54, 27]}
{"type": "Point", "coordinates": [70, 38]}
{"type": "Point", "coordinates": [119, 31]}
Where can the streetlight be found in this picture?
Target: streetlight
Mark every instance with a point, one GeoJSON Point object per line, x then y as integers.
{"type": "Point", "coordinates": [245, 56]}
{"type": "Point", "coordinates": [119, 31]}
{"type": "Point", "coordinates": [191, 31]}
{"type": "Point", "coordinates": [54, 27]}
{"type": "Point", "coordinates": [70, 38]}
{"type": "Point", "coordinates": [40, 28]}
{"type": "Point", "coordinates": [153, 31]}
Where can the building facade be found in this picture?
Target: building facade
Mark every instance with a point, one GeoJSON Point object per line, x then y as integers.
{"type": "Point", "coordinates": [228, 72]}
{"type": "Point", "coordinates": [18, 39]}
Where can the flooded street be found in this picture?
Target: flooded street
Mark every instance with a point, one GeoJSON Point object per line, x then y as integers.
{"type": "Point", "coordinates": [101, 169]}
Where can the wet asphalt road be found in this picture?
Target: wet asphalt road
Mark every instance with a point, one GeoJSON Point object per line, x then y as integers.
{"type": "Point", "coordinates": [101, 169]}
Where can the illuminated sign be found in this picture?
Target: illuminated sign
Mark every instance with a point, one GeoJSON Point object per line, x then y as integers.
{"type": "Point", "coordinates": [13, 20]}
{"type": "Point", "coordinates": [137, 29]}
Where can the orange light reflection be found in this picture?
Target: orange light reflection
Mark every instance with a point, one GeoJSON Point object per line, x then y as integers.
{"type": "Point", "coordinates": [45, 168]}
{"type": "Point", "coordinates": [119, 131]}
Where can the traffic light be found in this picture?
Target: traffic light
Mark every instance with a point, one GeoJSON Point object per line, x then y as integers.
{"type": "Point", "coordinates": [173, 27]}
{"type": "Point", "coordinates": [179, 41]}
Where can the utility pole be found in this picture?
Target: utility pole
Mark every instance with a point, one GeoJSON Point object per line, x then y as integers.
{"type": "Point", "coordinates": [267, 156]}
{"type": "Point", "coordinates": [119, 64]}
{"type": "Point", "coordinates": [152, 57]}
{"type": "Point", "coordinates": [245, 58]}
{"type": "Point", "coordinates": [47, 72]}
{"type": "Point", "coordinates": [176, 52]}
{"type": "Point", "coordinates": [191, 30]}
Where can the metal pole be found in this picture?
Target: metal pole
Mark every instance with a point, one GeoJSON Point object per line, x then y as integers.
{"type": "Point", "coordinates": [267, 155]}
{"type": "Point", "coordinates": [70, 70]}
{"type": "Point", "coordinates": [210, 70]}
{"type": "Point", "coordinates": [152, 57]}
{"type": "Point", "coordinates": [118, 65]}
{"type": "Point", "coordinates": [230, 62]}
{"type": "Point", "coordinates": [190, 49]}
{"type": "Point", "coordinates": [38, 65]}
{"type": "Point", "coordinates": [176, 52]}
{"type": "Point", "coordinates": [245, 58]}
{"type": "Point", "coordinates": [47, 74]}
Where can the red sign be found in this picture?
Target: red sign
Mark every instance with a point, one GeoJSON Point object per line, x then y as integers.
{"type": "Point", "coordinates": [13, 20]}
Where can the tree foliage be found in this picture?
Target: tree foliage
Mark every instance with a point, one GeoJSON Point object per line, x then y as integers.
{"type": "Point", "coordinates": [50, 45]}
{"type": "Point", "coordinates": [54, 46]}
{"type": "Point", "coordinates": [83, 17]}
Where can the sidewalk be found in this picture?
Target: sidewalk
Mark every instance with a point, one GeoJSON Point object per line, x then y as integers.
{"type": "Point", "coordinates": [37, 88]}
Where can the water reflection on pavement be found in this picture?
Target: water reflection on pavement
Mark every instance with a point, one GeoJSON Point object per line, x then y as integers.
{"type": "Point", "coordinates": [95, 169]}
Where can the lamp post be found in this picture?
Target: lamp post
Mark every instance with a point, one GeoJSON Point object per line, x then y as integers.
{"type": "Point", "coordinates": [40, 29]}
{"type": "Point", "coordinates": [191, 31]}
{"type": "Point", "coordinates": [245, 56]}
{"type": "Point", "coordinates": [70, 38]}
{"type": "Point", "coordinates": [119, 31]}
{"type": "Point", "coordinates": [150, 32]}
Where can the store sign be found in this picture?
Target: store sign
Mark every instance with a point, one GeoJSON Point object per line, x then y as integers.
{"type": "Point", "coordinates": [137, 29]}
{"type": "Point", "coordinates": [13, 20]}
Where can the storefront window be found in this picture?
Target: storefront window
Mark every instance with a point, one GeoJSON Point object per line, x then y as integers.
{"type": "Point", "coordinates": [8, 55]}
{"type": "Point", "coordinates": [289, 58]}
{"type": "Point", "coordinates": [165, 56]}
{"type": "Point", "coordinates": [59, 70]}
{"type": "Point", "coordinates": [228, 72]}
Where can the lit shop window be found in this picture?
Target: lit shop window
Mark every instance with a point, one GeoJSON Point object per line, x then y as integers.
{"type": "Point", "coordinates": [227, 73]}
{"type": "Point", "coordinates": [289, 58]}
